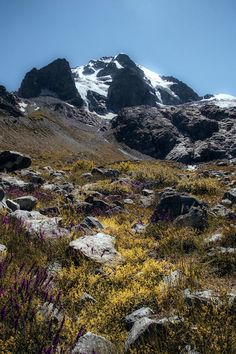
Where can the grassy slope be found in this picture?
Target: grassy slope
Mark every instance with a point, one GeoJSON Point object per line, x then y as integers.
{"type": "Point", "coordinates": [138, 282]}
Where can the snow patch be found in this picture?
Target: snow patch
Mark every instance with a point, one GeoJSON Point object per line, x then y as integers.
{"type": "Point", "coordinates": [23, 106]}
{"type": "Point", "coordinates": [222, 100]}
{"type": "Point", "coordinates": [157, 82]}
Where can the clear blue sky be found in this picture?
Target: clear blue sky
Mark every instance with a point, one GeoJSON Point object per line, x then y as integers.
{"type": "Point", "coordinates": [194, 40]}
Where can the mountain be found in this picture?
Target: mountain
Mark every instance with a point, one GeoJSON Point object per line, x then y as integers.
{"type": "Point", "coordinates": [54, 80]}
{"type": "Point", "coordinates": [111, 83]}
{"type": "Point", "coordinates": [148, 114]}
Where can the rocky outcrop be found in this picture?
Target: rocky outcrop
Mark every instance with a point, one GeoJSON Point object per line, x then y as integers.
{"type": "Point", "coordinates": [187, 133]}
{"type": "Point", "coordinates": [147, 130]}
{"type": "Point", "coordinates": [54, 80]}
{"type": "Point", "coordinates": [8, 104]}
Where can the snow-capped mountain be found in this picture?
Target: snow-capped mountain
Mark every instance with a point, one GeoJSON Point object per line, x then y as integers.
{"type": "Point", "coordinates": [95, 81]}
{"type": "Point", "coordinates": [107, 85]}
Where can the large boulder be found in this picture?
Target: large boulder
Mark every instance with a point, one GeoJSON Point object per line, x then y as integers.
{"type": "Point", "coordinates": [99, 248]}
{"type": "Point", "coordinates": [54, 80]}
{"type": "Point", "coordinates": [39, 225]}
{"type": "Point", "coordinates": [12, 161]}
{"type": "Point", "coordinates": [26, 203]}
{"type": "Point", "coordinates": [196, 218]}
{"type": "Point", "coordinates": [91, 343]}
{"type": "Point", "coordinates": [206, 151]}
{"type": "Point", "coordinates": [173, 204]}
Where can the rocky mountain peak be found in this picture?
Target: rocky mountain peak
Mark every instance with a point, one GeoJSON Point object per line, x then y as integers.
{"type": "Point", "coordinates": [55, 80]}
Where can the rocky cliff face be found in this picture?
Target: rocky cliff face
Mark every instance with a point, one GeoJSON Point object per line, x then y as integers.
{"type": "Point", "coordinates": [183, 133]}
{"type": "Point", "coordinates": [8, 103]}
{"type": "Point", "coordinates": [54, 80]}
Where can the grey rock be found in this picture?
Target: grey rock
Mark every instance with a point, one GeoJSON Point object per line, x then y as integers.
{"type": "Point", "coordinates": [199, 298]}
{"type": "Point", "coordinates": [39, 225]}
{"type": "Point", "coordinates": [220, 210]}
{"type": "Point", "coordinates": [196, 218]}
{"type": "Point", "coordinates": [148, 330]}
{"type": "Point", "coordinates": [139, 227]}
{"type": "Point", "coordinates": [91, 223]}
{"type": "Point", "coordinates": [173, 278]}
{"type": "Point", "coordinates": [91, 343]}
{"type": "Point", "coordinates": [147, 192]}
{"type": "Point", "coordinates": [100, 248]}
{"type": "Point", "coordinates": [8, 182]}
{"type": "Point", "coordinates": [33, 177]}
{"type": "Point", "coordinates": [226, 202]}
{"type": "Point", "coordinates": [87, 298]}
{"type": "Point", "coordinates": [136, 315]}
{"type": "Point", "coordinates": [231, 195]}
{"type": "Point", "coordinates": [128, 201]}
{"type": "Point", "coordinates": [110, 173]}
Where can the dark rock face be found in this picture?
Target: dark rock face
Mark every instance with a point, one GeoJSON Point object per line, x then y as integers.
{"type": "Point", "coordinates": [97, 102]}
{"type": "Point", "coordinates": [197, 127]}
{"type": "Point", "coordinates": [187, 133]}
{"type": "Point", "coordinates": [129, 89]}
{"type": "Point", "coordinates": [54, 80]}
{"type": "Point", "coordinates": [8, 103]}
{"type": "Point", "coordinates": [145, 129]}
{"type": "Point", "coordinates": [12, 161]}
{"type": "Point", "coordinates": [183, 91]}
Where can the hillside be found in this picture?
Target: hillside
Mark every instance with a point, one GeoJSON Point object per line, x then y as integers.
{"type": "Point", "coordinates": [117, 213]}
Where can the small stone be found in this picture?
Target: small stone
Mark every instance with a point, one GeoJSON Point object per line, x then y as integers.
{"type": "Point", "coordinates": [128, 201]}
{"type": "Point", "coordinates": [87, 297]}
{"type": "Point", "coordinates": [147, 192]}
{"type": "Point", "coordinates": [91, 223]}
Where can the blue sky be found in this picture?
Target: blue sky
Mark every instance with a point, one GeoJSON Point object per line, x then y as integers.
{"type": "Point", "coordinates": [193, 40]}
